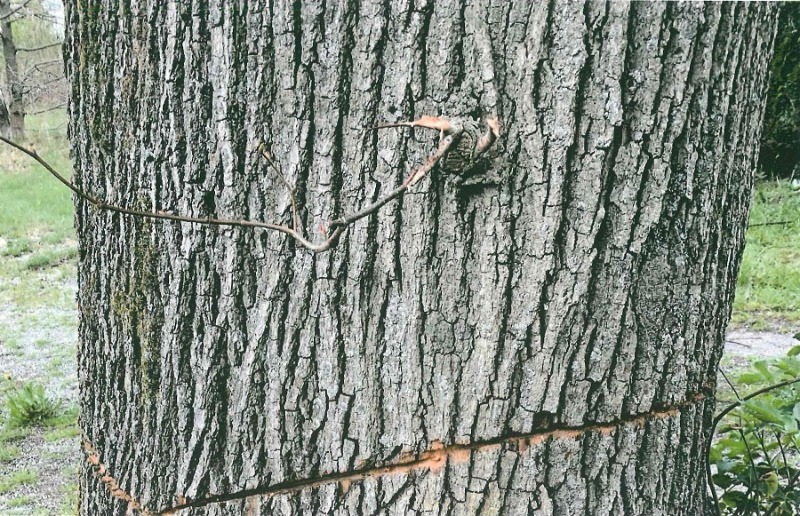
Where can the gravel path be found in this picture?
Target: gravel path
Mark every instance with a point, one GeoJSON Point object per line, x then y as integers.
{"type": "Point", "coordinates": [39, 345]}
{"type": "Point", "coordinates": [742, 345]}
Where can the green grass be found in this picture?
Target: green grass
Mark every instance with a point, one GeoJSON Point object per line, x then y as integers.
{"type": "Point", "coordinates": [25, 289]}
{"type": "Point", "coordinates": [17, 479]}
{"type": "Point", "coordinates": [768, 288]}
{"type": "Point", "coordinates": [11, 344]}
{"type": "Point", "coordinates": [8, 435]}
{"type": "Point", "coordinates": [8, 452]}
{"type": "Point", "coordinates": [20, 501]}
{"type": "Point", "coordinates": [50, 258]}
{"type": "Point", "coordinates": [66, 432]}
{"type": "Point", "coordinates": [38, 251]}
{"type": "Point", "coordinates": [64, 426]}
{"type": "Point", "coordinates": [69, 504]}
{"type": "Point", "coordinates": [37, 239]}
{"type": "Point", "coordinates": [33, 202]}
{"type": "Point", "coordinates": [17, 248]}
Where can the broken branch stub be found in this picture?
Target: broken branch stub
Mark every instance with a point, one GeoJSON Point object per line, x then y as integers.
{"type": "Point", "coordinates": [467, 144]}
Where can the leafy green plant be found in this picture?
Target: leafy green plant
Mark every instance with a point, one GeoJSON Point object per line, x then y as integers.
{"type": "Point", "coordinates": [757, 452]}
{"type": "Point", "coordinates": [29, 405]}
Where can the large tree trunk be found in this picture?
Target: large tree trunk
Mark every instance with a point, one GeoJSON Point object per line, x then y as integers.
{"type": "Point", "coordinates": [539, 338]}
{"type": "Point", "coordinates": [15, 113]}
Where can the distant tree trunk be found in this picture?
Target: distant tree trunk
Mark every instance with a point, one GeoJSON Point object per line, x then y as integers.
{"type": "Point", "coordinates": [5, 121]}
{"type": "Point", "coordinates": [16, 109]}
{"type": "Point", "coordinates": [540, 338]}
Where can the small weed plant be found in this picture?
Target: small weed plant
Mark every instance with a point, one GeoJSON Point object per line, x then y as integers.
{"type": "Point", "coordinates": [757, 451]}
{"type": "Point", "coordinates": [29, 405]}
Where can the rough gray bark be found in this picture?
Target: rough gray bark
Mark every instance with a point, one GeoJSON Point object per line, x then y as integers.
{"type": "Point", "coordinates": [5, 121]}
{"type": "Point", "coordinates": [539, 338]}
{"type": "Point", "coordinates": [13, 124]}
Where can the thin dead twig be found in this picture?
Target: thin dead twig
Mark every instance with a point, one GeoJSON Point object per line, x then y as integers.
{"type": "Point", "coordinates": [774, 223]}
{"type": "Point", "coordinates": [415, 176]}
{"type": "Point", "coordinates": [41, 47]}
{"type": "Point", "coordinates": [334, 230]}
{"type": "Point", "coordinates": [15, 10]}
{"type": "Point", "coordinates": [292, 189]}
{"type": "Point", "coordinates": [47, 109]}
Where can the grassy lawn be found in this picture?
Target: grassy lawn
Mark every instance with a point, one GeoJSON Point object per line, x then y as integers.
{"type": "Point", "coordinates": [37, 240]}
{"type": "Point", "coordinates": [768, 290]}
{"type": "Point", "coordinates": [38, 328]}
{"type": "Point", "coordinates": [34, 204]}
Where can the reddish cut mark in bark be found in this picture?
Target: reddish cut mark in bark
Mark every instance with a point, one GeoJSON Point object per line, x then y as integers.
{"type": "Point", "coordinates": [433, 460]}
{"type": "Point", "coordinates": [102, 474]}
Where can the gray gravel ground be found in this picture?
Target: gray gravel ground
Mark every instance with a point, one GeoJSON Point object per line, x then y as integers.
{"type": "Point", "coordinates": [39, 345]}
{"type": "Point", "coordinates": [742, 345]}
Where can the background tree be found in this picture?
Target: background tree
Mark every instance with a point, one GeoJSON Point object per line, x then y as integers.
{"type": "Point", "coordinates": [541, 336]}
{"type": "Point", "coordinates": [36, 77]}
{"type": "Point", "coordinates": [780, 145]}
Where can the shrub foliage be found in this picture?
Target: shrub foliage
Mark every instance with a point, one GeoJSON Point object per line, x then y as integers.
{"type": "Point", "coordinates": [756, 454]}
{"type": "Point", "coordinates": [780, 141]}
